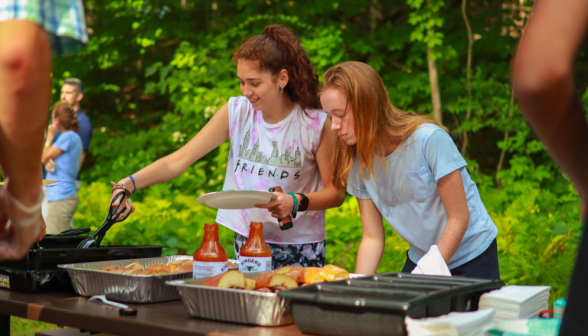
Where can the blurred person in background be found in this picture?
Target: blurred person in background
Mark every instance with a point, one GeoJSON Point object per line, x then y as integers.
{"type": "Point", "coordinates": [72, 92]}
{"type": "Point", "coordinates": [66, 152]}
{"type": "Point", "coordinates": [27, 39]}
{"type": "Point", "coordinates": [543, 79]}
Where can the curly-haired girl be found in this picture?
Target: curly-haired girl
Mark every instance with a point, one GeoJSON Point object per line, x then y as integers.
{"type": "Point", "coordinates": [279, 137]}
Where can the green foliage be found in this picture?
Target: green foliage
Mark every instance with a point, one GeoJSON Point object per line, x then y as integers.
{"type": "Point", "coordinates": [156, 71]}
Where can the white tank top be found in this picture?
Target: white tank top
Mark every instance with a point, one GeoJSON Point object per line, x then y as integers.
{"type": "Point", "coordinates": [265, 155]}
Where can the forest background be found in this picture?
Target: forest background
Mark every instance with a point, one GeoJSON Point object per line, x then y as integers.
{"type": "Point", "coordinates": [156, 71]}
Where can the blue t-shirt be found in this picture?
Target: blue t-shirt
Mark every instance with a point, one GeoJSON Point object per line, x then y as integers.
{"type": "Point", "coordinates": [407, 195]}
{"type": "Point", "coordinates": [85, 133]}
{"type": "Point", "coordinates": [68, 164]}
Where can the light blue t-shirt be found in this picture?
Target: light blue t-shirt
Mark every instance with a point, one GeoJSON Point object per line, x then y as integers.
{"type": "Point", "coordinates": [407, 195]}
{"type": "Point", "coordinates": [68, 164]}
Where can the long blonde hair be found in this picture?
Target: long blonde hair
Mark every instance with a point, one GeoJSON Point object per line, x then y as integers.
{"type": "Point", "coordinates": [377, 121]}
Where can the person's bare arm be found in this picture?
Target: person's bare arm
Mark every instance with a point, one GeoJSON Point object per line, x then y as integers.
{"type": "Point", "coordinates": [212, 135]}
{"type": "Point", "coordinates": [372, 238]}
{"type": "Point", "coordinates": [51, 153]}
{"type": "Point", "coordinates": [84, 152]}
{"type": "Point", "coordinates": [453, 196]}
{"type": "Point", "coordinates": [25, 95]}
{"type": "Point", "coordinates": [544, 84]}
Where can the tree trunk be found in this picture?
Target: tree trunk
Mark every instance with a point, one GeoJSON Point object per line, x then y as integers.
{"type": "Point", "coordinates": [468, 74]}
{"type": "Point", "coordinates": [434, 82]}
{"type": "Point", "coordinates": [503, 152]}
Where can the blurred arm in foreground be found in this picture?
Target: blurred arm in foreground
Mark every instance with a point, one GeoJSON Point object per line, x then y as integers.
{"type": "Point", "coordinates": [25, 93]}
{"type": "Point", "coordinates": [544, 83]}
{"type": "Point", "coordinates": [543, 80]}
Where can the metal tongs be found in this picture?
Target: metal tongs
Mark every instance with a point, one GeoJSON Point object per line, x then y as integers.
{"type": "Point", "coordinates": [113, 216]}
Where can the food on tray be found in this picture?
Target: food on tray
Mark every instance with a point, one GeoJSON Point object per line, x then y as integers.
{"type": "Point", "coordinates": [249, 284]}
{"type": "Point", "coordinates": [332, 272]}
{"type": "Point", "coordinates": [230, 279]}
{"type": "Point", "coordinates": [136, 268]}
{"type": "Point", "coordinates": [310, 275]}
{"type": "Point", "coordinates": [283, 278]}
{"type": "Point", "coordinates": [277, 281]}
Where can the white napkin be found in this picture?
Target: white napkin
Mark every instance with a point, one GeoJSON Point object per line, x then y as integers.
{"type": "Point", "coordinates": [452, 324]}
{"type": "Point", "coordinates": [432, 263]}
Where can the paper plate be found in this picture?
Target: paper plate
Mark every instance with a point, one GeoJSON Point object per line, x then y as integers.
{"type": "Point", "coordinates": [236, 199]}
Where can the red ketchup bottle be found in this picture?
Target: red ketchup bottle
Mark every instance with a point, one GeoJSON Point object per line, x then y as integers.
{"type": "Point", "coordinates": [210, 258]}
{"type": "Point", "coordinates": [255, 255]}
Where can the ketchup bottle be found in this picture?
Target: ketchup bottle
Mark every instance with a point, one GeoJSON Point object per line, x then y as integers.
{"type": "Point", "coordinates": [210, 258]}
{"type": "Point", "coordinates": [255, 255]}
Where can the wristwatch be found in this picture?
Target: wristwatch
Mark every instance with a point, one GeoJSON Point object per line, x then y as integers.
{"type": "Point", "coordinates": [303, 202]}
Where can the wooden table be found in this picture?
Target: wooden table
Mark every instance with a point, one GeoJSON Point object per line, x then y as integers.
{"type": "Point", "coordinates": [167, 318]}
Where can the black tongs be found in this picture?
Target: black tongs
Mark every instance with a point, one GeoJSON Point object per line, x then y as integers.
{"type": "Point", "coordinates": [113, 216]}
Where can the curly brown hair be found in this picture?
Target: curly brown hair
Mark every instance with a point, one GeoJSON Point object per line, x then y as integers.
{"type": "Point", "coordinates": [278, 48]}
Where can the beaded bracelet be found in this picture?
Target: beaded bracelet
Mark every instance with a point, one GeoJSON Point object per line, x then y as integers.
{"type": "Point", "coordinates": [134, 183]}
{"type": "Point", "coordinates": [295, 204]}
{"type": "Point", "coordinates": [122, 187]}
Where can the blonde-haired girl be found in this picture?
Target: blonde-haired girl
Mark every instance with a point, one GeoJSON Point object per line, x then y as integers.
{"type": "Point", "coordinates": [406, 167]}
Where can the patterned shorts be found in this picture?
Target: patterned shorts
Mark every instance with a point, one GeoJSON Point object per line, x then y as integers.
{"type": "Point", "coordinates": [63, 20]}
{"type": "Point", "coordinates": [311, 254]}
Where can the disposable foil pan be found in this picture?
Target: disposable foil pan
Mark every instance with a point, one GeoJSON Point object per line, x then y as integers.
{"type": "Point", "coordinates": [88, 280]}
{"type": "Point", "coordinates": [233, 305]}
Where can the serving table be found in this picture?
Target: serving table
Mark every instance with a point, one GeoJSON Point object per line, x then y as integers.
{"type": "Point", "coordinates": [166, 318]}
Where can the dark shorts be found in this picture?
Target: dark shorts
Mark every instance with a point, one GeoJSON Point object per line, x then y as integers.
{"type": "Point", "coordinates": [484, 266]}
{"type": "Point", "coordinates": [574, 321]}
{"type": "Point", "coordinates": [311, 254]}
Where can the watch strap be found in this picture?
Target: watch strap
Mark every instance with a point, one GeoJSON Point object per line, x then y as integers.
{"type": "Point", "coordinates": [303, 206]}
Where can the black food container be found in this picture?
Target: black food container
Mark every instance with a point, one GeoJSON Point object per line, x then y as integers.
{"type": "Point", "coordinates": [377, 305]}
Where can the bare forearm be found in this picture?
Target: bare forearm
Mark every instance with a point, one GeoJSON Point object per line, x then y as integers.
{"type": "Point", "coordinates": [543, 80]}
{"type": "Point", "coordinates": [159, 171]}
{"type": "Point", "coordinates": [451, 237]}
{"type": "Point", "coordinates": [369, 255]}
{"type": "Point", "coordinates": [330, 197]}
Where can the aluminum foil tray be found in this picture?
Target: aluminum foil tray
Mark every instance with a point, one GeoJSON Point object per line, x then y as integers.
{"type": "Point", "coordinates": [88, 280]}
{"type": "Point", "coordinates": [233, 305]}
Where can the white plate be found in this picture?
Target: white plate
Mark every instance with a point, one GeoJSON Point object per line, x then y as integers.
{"type": "Point", "coordinates": [236, 199]}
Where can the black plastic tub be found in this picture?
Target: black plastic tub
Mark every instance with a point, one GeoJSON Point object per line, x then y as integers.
{"type": "Point", "coordinates": [38, 272]}
{"type": "Point", "coordinates": [377, 305]}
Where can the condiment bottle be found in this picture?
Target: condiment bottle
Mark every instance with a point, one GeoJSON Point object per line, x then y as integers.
{"type": "Point", "coordinates": [210, 258]}
{"type": "Point", "coordinates": [255, 255]}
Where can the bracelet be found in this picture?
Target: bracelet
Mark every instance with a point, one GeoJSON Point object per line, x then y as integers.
{"type": "Point", "coordinates": [295, 204]}
{"type": "Point", "coordinates": [122, 187]}
{"type": "Point", "coordinates": [134, 183]}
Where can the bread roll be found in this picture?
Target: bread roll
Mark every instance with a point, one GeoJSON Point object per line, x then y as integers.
{"type": "Point", "coordinates": [230, 279]}
{"type": "Point", "coordinates": [283, 270]}
{"type": "Point", "coordinates": [249, 284]}
{"type": "Point", "coordinates": [155, 267]}
{"type": "Point", "coordinates": [332, 272]}
{"type": "Point", "coordinates": [310, 275]}
{"type": "Point", "coordinates": [273, 280]}
{"type": "Point", "coordinates": [134, 266]}
{"type": "Point", "coordinates": [294, 272]}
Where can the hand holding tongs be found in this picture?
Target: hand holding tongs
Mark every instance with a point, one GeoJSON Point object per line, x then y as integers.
{"type": "Point", "coordinates": [113, 217]}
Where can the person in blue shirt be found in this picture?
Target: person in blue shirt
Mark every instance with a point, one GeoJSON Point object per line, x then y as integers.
{"type": "Point", "coordinates": [66, 152]}
{"type": "Point", "coordinates": [72, 92]}
{"type": "Point", "coordinates": [406, 168]}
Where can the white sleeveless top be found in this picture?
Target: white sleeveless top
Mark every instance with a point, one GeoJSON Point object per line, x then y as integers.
{"type": "Point", "coordinates": [265, 155]}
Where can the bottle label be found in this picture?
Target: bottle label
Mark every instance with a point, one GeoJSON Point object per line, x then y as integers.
{"type": "Point", "coordinates": [255, 264]}
{"type": "Point", "coordinates": [203, 269]}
